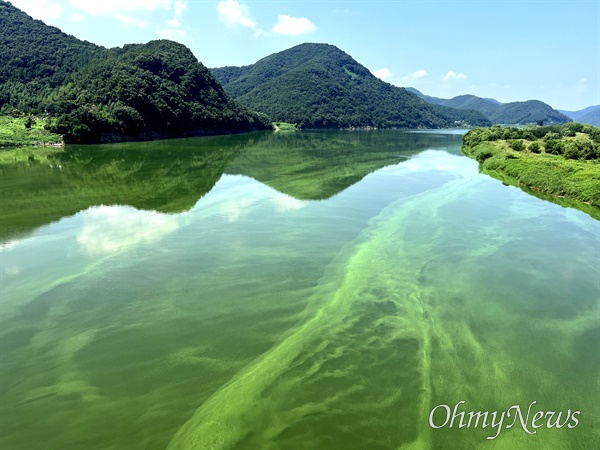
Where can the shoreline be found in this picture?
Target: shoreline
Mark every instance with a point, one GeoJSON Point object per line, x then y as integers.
{"type": "Point", "coordinates": [573, 183]}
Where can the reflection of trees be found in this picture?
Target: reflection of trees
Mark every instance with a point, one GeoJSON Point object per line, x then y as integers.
{"type": "Point", "coordinates": [316, 166]}
{"type": "Point", "coordinates": [170, 176]}
{"type": "Point", "coordinates": [166, 176]}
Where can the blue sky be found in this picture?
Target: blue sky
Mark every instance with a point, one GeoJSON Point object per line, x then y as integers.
{"type": "Point", "coordinates": [507, 50]}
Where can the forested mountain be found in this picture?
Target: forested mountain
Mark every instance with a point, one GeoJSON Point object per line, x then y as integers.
{"type": "Point", "coordinates": [460, 117]}
{"type": "Point", "coordinates": [95, 94]}
{"type": "Point", "coordinates": [522, 113]}
{"type": "Point", "coordinates": [320, 86]}
{"type": "Point", "coordinates": [590, 115]}
{"type": "Point", "coordinates": [151, 90]}
{"type": "Point", "coordinates": [36, 58]}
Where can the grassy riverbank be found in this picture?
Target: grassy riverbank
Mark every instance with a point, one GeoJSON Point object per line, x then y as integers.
{"type": "Point", "coordinates": [562, 162]}
{"type": "Point", "coordinates": [25, 139]}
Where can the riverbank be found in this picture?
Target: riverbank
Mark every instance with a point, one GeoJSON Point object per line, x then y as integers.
{"type": "Point", "coordinates": [562, 165]}
{"type": "Point", "coordinates": [26, 131]}
{"type": "Point", "coordinates": [25, 139]}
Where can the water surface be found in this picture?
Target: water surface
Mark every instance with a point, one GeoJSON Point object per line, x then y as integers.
{"type": "Point", "coordinates": [289, 291]}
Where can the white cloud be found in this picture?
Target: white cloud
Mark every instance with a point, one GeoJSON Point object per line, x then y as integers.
{"type": "Point", "coordinates": [40, 9]}
{"type": "Point", "coordinates": [435, 159]}
{"type": "Point", "coordinates": [285, 202]}
{"type": "Point", "coordinates": [293, 26]}
{"type": "Point", "coordinates": [260, 32]}
{"type": "Point", "coordinates": [173, 29]}
{"type": "Point", "coordinates": [383, 73]}
{"type": "Point", "coordinates": [130, 11]}
{"type": "Point", "coordinates": [8, 245]}
{"type": "Point", "coordinates": [179, 7]}
{"type": "Point", "coordinates": [13, 271]}
{"type": "Point", "coordinates": [234, 209]}
{"type": "Point", "coordinates": [172, 33]}
{"type": "Point", "coordinates": [451, 75]}
{"type": "Point", "coordinates": [109, 229]}
{"type": "Point", "coordinates": [112, 7]}
{"type": "Point", "coordinates": [233, 13]}
{"type": "Point", "coordinates": [77, 18]}
{"type": "Point", "coordinates": [134, 22]}
{"type": "Point", "coordinates": [411, 78]}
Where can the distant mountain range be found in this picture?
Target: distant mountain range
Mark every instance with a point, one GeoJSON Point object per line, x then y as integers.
{"type": "Point", "coordinates": [320, 86]}
{"type": "Point", "coordinates": [515, 113]}
{"type": "Point", "coordinates": [590, 115]}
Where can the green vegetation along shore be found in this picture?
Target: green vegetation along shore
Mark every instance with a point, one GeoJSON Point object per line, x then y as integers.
{"type": "Point", "coordinates": [559, 163]}
{"type": "Point", "coordinates": [26, 139]}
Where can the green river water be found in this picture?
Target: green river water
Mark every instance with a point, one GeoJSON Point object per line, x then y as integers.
{"type": "Point", "coordinates": [311, 290]}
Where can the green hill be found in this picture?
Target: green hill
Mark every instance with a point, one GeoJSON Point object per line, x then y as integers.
{"type": "Point", "coordinates": [528, 112]}
{"type": "Point", "coordinates": [95, 94]}
{"type": "Point", "coordinates": [320, 86]}
{"type": "Point", "coordinates": [515, 113]}
{"type": "Point", "coordinates": [146, 91]}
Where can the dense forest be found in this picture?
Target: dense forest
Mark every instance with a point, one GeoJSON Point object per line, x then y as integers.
{"type": "Point", "coordinates": [93, 94]}
{"type": "Point", "coordinates": [148, 90]}
{"type": "Point", "coordinates": [515, 113]}
{"type": "Point", "coordinates": [320, 86]}
{"type": "Point", "coordinates": [36, 58]}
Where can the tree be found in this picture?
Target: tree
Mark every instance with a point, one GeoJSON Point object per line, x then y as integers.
{"type": "Point", "coordinates": [517, 145]}
{"type": "Point", "coordinates": [554, 147]}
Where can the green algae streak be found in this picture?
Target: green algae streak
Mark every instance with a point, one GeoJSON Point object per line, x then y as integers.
{"type": "Point", "coordinates": [406, 329]}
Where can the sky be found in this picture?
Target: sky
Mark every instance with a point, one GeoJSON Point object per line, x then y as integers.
{"type": "Point", "coordinates": [506, 50]}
